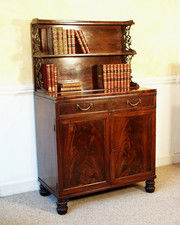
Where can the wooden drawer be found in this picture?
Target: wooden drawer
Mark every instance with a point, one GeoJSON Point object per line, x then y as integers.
{"type": "Point", "coordinates": [133, 102]}
{"type": "Point", "coordinates": [82, 107]}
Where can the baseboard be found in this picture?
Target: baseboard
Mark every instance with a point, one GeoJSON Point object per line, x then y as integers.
{"type": "Point", "coordinates": [176, 158]}
{"type": "Point", "coordinates": [164, 161]}
{"type": "Point", "coordinates": [32, 185]}
{"type": "Point", "coordinates": [18, 187]}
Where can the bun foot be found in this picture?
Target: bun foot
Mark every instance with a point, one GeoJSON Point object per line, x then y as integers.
{"type": "Point", "coordinates": [43, 191]}
{"type": "Point", "coordinates": [150, 186]}
{"type": "Point", "coordinates": [62, 206]}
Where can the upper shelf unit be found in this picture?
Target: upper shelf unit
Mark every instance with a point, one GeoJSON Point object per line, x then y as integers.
{"type": "Point", "coordinates": [103, 38]}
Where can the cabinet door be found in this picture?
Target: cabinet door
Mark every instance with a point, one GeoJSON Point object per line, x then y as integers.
{"type": "Point", "coordinates": [132, 137]}
{"type": "Point", "coordinates": [83, 152]}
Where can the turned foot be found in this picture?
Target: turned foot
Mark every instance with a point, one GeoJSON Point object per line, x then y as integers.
{"type": "Point", "coordinates": [62, 206]}
{"type": "Point", "coordinates": [150, 186]}
{"type": "Point", "coordinates": [43, 191]}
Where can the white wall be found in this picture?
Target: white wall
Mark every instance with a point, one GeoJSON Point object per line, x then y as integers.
{"type": "Point", "coordinates": [18, 165]}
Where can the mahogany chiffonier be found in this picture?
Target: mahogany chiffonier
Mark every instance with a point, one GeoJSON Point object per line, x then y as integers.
{"type": "Point", "coordinates": [91, 140]}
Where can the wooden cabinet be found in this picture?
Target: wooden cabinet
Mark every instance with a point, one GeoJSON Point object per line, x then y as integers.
{"type": "Point", "coordinates": [131, 144]}
{"type": "Point", "coordinates": [92, 140]}
{"type": "Point", "coordinates": [84, 154]}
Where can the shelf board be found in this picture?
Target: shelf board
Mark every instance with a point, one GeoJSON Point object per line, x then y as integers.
{"type": "Point", "coordinates": [76, 22]}
{"type": "Point", "coordinates": [84, 55]}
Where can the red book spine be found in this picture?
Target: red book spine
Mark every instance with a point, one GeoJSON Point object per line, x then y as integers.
{"type": "Point", "coordinates": [118, 76]}
{"type": "Point", "coordinates": [108, 77]}
{"type": "Point", "coordinates": [73, 42]}
{"type": "Point", "coordinates": [105, 76]}
{"type": "Point", "coordinates": [115, 76]}
{"type": "Point", "coordinates": [129, 76]}
{"type": "Point", "coordinates": [112, 76]}
{"type": "Point", "coordinates": [52, 77]}
{"type": "Point", "coordinates": [48, 72]}
{"type": "Point", "coordinates": [84, 41]}
{"type": "Point", "coordinates": [121, 77]}
{"type": "Point", "coordinates": [44, 76]}
{"type": "Point", "coordinates": [124, 76]}
{"type": "Point", "coordinates": [50, 41]}
{"type": "Point", "coordinates": [77, 32]}
{"type": "Point", "coordinates": [56, 78]}
{"type": "Point", "coordinates": [69, 41]}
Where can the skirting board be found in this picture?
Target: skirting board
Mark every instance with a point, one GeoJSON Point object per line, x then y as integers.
{"type": "Point", "coordinates": [176, 158]}
{"type": "Point", "coordinates": [20, 187]}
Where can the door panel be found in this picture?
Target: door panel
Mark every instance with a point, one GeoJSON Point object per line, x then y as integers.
{"type": "Point", "coordinates": [132, 143]}
{"type": "Point", "coordinates": [83, 152]}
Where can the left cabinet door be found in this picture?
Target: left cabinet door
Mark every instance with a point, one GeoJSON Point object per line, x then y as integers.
{"type": "Point", "coordinates": [83, 152]}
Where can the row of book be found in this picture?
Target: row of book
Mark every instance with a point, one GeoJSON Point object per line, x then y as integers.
{"type": "Point", "coordinates": [114, 76]}
{"type": "Point", "coordinates": [56, 41]}
{"type": "Point", "coordinates": [50, 77]}
{"type": "Point", "coordinates": [50, 80]}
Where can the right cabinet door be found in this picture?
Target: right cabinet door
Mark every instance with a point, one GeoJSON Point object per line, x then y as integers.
{"type": "Point", "coordinates": [132, 138]}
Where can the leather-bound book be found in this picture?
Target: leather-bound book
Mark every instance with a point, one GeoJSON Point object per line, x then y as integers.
{"type": "Point", "coordinates": [43, 37]}
{"type": "Point", "coordinates": [71, 89]}
{"type": "Point", "coordinates": [60, 40]}
{"type": "Point", "coordinates": [108, 77]}
{"type": "Point", "coordinates": [121, 76]}
{"type": "Point", "coordinates": [69, 84]}
{"type": "Point", "coordinates": [52, 77]}
{"type": "Point", "coordinates": [44, 76]}
{"type": "Point", "coordinates": [50, 41]}
{"type": "Point", "coordinates": [112, 76]}
{"type": "Point", "coordinates": [65, 47]}
{"type": "Point", "coordinates": [69, 41]}
{"type": "Point", "coordinates": [55, 40]}
{"type": "Point", "coordinates": [73, 43]}
{"type": "Point", "coordinates": [115, 75]}
{"type": "Point", "coordinates": [48, 72]}
{"type": "Point", "coordinates": [56, 78]}
{"type": "Point", "coordinates": [84, 41]}
{"type": "Point", "coordinates": [80, 41]}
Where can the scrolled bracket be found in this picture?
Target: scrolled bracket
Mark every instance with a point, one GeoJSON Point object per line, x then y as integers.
{"type": "Point", "coordinates": [128, 58]}
{"type": "Point", "coordinates": [35, 39]}
{"type": "Point", "coordinates": [38, 74]}
{"type": "Point", "coordinates": [126, 38]}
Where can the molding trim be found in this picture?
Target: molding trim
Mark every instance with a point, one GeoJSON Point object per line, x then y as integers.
{"type": "Point", "coordinates": [176, 158]}
{"type": "Point", "coordinates": [29, 88]}
{"type": "Point", "coordinates": [18, 187]}
{"type": "Point", "coordinates": [157, 80]}
{"type": "Point", "coordinates": [14, 90]}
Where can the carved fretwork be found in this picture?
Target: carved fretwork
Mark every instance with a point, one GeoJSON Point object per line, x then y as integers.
{"type": "Point", "coordinates": [35, 39]}
{"type": "Point", "coordinates": [38, 74]}
{"type": "Point", "coordinates": [126, 38]}
{"type": "Point", "coordinates": [128, 58]}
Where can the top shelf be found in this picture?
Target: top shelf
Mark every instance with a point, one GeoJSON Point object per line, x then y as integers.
{"type": "Point", "coordinates": [85, 55]}
{"type": "Point", "coordinates": [86, 23]}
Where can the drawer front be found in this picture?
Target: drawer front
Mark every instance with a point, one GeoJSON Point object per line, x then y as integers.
{"type": "Point", "coordinates": [82, 107]}
{"type": "Point", "coordinates": [133, 102]}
